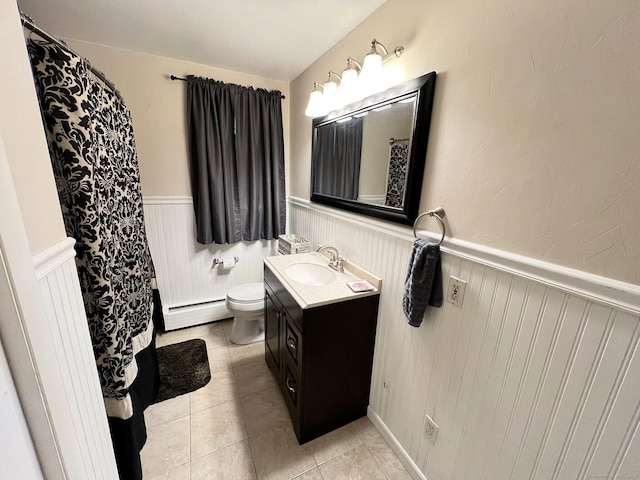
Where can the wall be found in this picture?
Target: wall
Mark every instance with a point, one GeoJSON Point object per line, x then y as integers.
{"type": "Point", "coordinates": [31, 223]}
{"type": "Point", "coordinates": [536, 376]}
{"type": "Point", "coordinates": [533, 146]}
{"type": "Point", "coordinates": [158, 109]}
{"type": "Point", "coordinates": [533, 150]}
{"type": "Point", "coordinates": [17, 453]}
{"type": "Point", "coordinates": [192, 288]}
{"type": "Point", "coordinates": [23, 134]}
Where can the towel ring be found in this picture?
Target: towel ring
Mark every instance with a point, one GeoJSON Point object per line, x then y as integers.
{"type": "Point", "coordinates": [438, 213]}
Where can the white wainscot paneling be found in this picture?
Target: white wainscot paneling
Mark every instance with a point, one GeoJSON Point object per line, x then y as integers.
{"type": "Point", "coordinates": [192, 289]}
{"type": "Point", "coordinates": [84, 437]}
{"type": "Point", "coordinates": [537, 376]}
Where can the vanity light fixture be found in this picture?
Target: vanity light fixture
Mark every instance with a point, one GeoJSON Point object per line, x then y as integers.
{"type": "Point", "coordinates": [315, 107]}
{"type": "Point", "coordinates": [357, 81]}
{"type": "Point", "coordinates": [349, 85]}
{"type": "Point", "coordinates": [330, 93]}
{"type": "Point", "coordinates": [371, 77]}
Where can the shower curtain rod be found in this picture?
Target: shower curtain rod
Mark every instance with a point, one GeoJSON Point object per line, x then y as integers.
{"type": "Point", "coordinates": [28, 23]}
{"type": "Point", "coordinates": [174, 78]}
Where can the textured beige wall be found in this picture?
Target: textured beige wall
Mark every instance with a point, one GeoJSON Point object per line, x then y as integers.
{"type": "Point", "coordinates": [534, 145]}
{"type": "Point", "coordinates": [158, 109]}
{"type": "Point", "coordinates": [24, 138]}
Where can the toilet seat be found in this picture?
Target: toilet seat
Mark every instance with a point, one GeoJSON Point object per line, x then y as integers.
{"type": "Point", "coordinates": [247, 293]}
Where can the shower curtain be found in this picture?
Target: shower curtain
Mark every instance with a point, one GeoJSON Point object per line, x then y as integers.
{"type": "Point", "coordinates": [337, 157]}
{"type": "Point", "coordinates": [94, 161]}
{"type": "Point", "coordinates": [397, 175]}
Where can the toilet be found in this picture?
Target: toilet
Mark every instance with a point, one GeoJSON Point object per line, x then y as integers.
{"type": "Point", "coordinates": [246, 304]}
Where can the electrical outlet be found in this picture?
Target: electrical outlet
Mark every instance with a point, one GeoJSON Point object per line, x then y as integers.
{"type": "Point", "coordinates": [455, 294]}
{"type": "Point", "coordinates": [431, 429]}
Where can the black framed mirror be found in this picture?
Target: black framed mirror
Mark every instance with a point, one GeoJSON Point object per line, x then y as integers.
{"type": "Point", "coordinates": [369, 156]}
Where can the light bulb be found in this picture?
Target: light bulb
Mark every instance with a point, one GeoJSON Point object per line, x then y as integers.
{"type": "Point", "coordinates": [315, 107]}
{"type": "Point", "coordinates": [349, 86]}
{"type": "Point", "coordinates": [330, 96]}
{"type": "Point", "coordinates": [371, 75]}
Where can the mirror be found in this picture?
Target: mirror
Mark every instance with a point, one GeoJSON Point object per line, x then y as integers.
{"type": "Point", "coordinates": [369, 156]}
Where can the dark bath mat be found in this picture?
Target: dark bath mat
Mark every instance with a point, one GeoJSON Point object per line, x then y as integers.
{"type": "Point", "coordinates": [184, 367]}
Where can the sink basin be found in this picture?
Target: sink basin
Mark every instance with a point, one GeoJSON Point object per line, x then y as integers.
{"type": "Point", "coordinates": [310, 274]}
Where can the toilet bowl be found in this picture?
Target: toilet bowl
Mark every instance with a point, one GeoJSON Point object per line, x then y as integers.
{"type": "Point", "coordinates": [246, 304]}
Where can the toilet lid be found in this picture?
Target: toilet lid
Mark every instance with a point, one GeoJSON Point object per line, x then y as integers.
{"type": "Point", "coordinates": [246, 293]}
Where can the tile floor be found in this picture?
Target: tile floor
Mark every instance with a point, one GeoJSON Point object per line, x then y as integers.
{"type": "Point", "coordinates": [237, 427]}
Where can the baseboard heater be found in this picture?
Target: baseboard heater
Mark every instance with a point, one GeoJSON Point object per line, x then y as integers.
{"type": "Point", "coordinates": [182, 316]}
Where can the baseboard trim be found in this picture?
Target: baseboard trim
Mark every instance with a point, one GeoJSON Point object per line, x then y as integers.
{"type": "Point", "coordinates": [192, 315]}
{"type": "Point", "coordinates": [54, 256]}
{"type": "Point", "coordinates": [612, 293]}
{"type": "Point", "coordinates": [401, 453]}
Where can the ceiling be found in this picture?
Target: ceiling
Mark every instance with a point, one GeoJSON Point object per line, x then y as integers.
{"type": "Point", "coordinates": [275, 39]}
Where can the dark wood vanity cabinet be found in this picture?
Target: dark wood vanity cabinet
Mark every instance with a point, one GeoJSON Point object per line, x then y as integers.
{"type": "Point", "coordinates": [321, 356]}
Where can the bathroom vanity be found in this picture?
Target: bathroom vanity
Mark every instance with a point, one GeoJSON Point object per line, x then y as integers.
{"type": "Point", "coordinates": [319, 340]}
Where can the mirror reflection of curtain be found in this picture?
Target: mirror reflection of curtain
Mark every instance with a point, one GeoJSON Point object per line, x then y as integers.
{"type": "Point", "coordinates": [397, 176]}
{"type": "Point", "coordinates": [338, 152]}
{"type": "Point", "coordinates": [95, 165]}
{"type": "Point", "coordinates": [324, 159]}
{"type": "Point", "coordinates": [236, 150]}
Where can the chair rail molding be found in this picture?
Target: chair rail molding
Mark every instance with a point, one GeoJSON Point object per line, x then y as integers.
{"type": "Point", "coordinates": [610, 292]}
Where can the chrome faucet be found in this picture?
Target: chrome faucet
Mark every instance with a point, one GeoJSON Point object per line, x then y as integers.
{"type": "Point", "coordinates": [336, 261]}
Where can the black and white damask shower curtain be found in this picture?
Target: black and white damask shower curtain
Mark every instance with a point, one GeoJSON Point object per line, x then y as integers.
{"type": "Point", "coordinates": [95, 165]}
{"type": "Point", "coordinates": [397, 175]}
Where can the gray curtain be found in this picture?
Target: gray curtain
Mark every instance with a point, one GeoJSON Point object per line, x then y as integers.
{"type": "Point", "coordinates": [236, 156]}
{"type": "Point", "coordinates": [337, 157]}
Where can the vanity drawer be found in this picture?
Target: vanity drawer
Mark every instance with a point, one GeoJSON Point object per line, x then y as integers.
{"type": "Point", "coordinates": [293, 342]}
{"type": "Point", "coordinates": [292, 392]}
{"type": "Point", "coordinates": [292, 387]}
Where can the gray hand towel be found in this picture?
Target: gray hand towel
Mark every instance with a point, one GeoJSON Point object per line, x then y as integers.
{"type": "Point", "coordinates": [423, 285]}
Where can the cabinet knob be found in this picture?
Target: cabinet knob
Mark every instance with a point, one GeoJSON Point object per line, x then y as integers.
{"type": "Point", "coordinates": [289, 387]}
{"type": "Point", "coordinates": [291, 343]}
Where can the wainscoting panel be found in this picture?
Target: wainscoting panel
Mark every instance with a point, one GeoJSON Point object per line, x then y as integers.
{"type": "Point", "coordinates": [537, 376]}
{"type": "Point", "coordinates": [184, 268]}
{"type": "Point", "coordinates": [92, 453]}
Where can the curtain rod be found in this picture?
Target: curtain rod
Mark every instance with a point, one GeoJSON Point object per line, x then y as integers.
{"type": "Point", "coordinates": [174, 78]}
{"type": "Point", "coordinates": [28, 23]}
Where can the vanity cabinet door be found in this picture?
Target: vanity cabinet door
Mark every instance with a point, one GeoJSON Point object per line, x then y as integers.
{"type": "Point", "coordinates": [272, 332]}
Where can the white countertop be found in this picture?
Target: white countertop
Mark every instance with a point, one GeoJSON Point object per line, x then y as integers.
{"type": "Point", "coordinates": [309, 296]}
